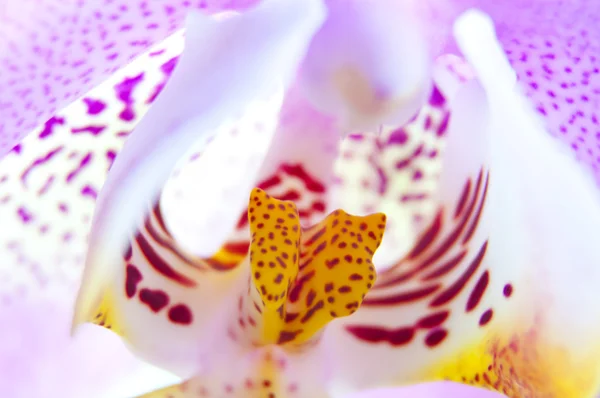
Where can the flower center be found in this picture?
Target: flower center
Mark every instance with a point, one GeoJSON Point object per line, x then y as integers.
{"type": "Point", "coordinates": [302, 278]}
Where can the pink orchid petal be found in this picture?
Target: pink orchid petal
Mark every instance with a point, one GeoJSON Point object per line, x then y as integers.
{"type": "Point", "coordinates": [48, 187]}
{"type": "Point", "coordinates": [554, 47]}
{"type": "Point", "coordinates": [53, 52]}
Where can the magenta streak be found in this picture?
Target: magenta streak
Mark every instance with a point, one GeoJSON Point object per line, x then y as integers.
{"type": "Point", "coordinates": [89, 192]}
{"type": "Point", "coordinates": [39, 162]}
{"type": "Point", "coordinates": [167, 69]}
{"type": "Point", "coordinates": [24, 215]}
{"type": "Point", "coordinates": [110, 156]}
{"type": "Point", "coordinates": [93, 130]}
{"type": "Point", "coordinates": [17, 149]}
{"type": "Point", "coordinates": [124, 92]}
{"type": "Point", "coordinates": [49, 126]}
{"type": "Point", "coordinates": [85, 161]}
{"type": "Point", "coordinates": [46, 186]}
{"type": "Point", "coordinates": [94, 107]}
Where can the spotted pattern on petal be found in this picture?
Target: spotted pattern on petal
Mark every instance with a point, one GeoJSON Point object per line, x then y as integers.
{"type": "Point", "coordinates": [560, 72]}
{"type": "Point", "coordinates": [396, 172]}
{"type": "Point", "coordinates": [445, 266]}
{"type": "Point", "coordinates": [52, 53]}
{"type": "Point", "coordinates": [49, 182]}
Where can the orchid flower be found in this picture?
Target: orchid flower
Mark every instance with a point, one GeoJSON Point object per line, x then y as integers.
{"type": "Point", "coordinates": [216, 250]}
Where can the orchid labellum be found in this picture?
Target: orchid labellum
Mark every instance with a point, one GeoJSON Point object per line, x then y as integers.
{"type": "Point", "coordinates": [301, 198]}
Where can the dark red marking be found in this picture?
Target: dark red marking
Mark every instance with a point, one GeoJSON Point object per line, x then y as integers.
{"type": "Point", "coordinates": [240, 248]}
{"type": "Point", "coordinates": [435, 337]}
{"type": "Point", "coordinates": [478, 291]}
{"type": "Point", "coordinates": [455, 234]}
{"type": "Point", "coordinates": [486, 317]}
{"type": "Point", "coordinates": [450, 293]}
{"type": "Point", "coordinates": [428, 237]}
{"type": "Point", "coordinates": [463, 199]}
{"type": "Point", "coordinates": [132, 277]}
{"type": "Point", "coordinates": [396, 280]}
{"type": "Point", "coordinates": [155, 299]}
{"type": "Point", "coordinates": [290, 195]}
{"type": "Point", "coordinates": [508, 290]}
{"type": "Point", "coordinates": [401, 298]}
{"type": "Point", "coordinates": [180, 314]}
{"type": "Point", "coordinates": [475, 220]}
{"type": "Point", "coordinates": [160, 265]}
{"type": "Point", "coordinates": [433, 320]}
{"type": "Point", "coordinates": [373, 334]}
{"type": "Point", "coordinates": [309, 314]}
{"type": "Point", "coordinates": [159, 218]}
{"type": "Point", "coordinates": [128, 253]}
{"type": "Point", "coordinates": [171, 247]}
{"type": "Point", "coordinates": [318, 235]}
{"type": "Point", "coordinates": [446, 267]}
{"type": "Point", "coordinates": [318, 206]}
{"type": "Point", "coordinates": [286, 337]}
{"type": "Point", "coordinates": [295, 291]}
{"type": "Point", "coordinates": [270, 183]}
{"type": "Point", "coordinates": [297, 170]}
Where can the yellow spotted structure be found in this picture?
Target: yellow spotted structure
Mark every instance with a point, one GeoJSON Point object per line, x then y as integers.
{"type": "Point", "coordinates": [303, 278]}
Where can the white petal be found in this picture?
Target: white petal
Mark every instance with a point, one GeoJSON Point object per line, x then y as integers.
{"type": "Point", "coordinates": [237, 59]}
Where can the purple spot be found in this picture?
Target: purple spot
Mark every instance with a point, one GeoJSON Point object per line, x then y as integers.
{"type": "Point", "coordinates": [38, 162]}
{"type": "Point", "coordinates": [94, 106]}
{"type": "Point", "coordinates": [93, 130]}
{"type": "Point", "coordinates": [24, 215]}
{"type": "Point", "coordinates": [398, 137]}
{"type": "Point", "coordinates": [89, 192]}
{"type": "Point", "coordinates": [436, 99]}
{"type": "Point", "coordinates": [49, 126]}
{"type": "Point", "coordinates": [82, 164]}
{"type": "Point", "coordinates": [124, 91]}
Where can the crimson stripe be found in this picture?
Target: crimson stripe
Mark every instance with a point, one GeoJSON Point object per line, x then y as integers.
{"type": "Point", "coordinates": [478, 291]}
{"type": "Point", "coordinates": [160, 265]}
{"type": "Point", "coordinates": [269, 183]}
{"type": "Point", "coordinates": [297, 170]}
{"type": "Point", "coordinates": [463, 199]}
{"type": "Point", "coordinates": [373, 334]}
{"type": "Point", "coordinates": [446, 267]}
{"type": "Point", "coordinates": [394, 281]}
{"type": "Point", "coordinates": [475, 221]}
{"type": "Point", "coordinates": [168, 245]}
{"type": "Point", "coordinates": [428, 237]}
{"type": "Point", "coordinates": [401, 298]}
{"type": "Point", "coordinates": [453, 237]}
{"type": "Point", "coordinates": [159, 218]}
{"type": "Point", "coordinates": [450, 293]}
